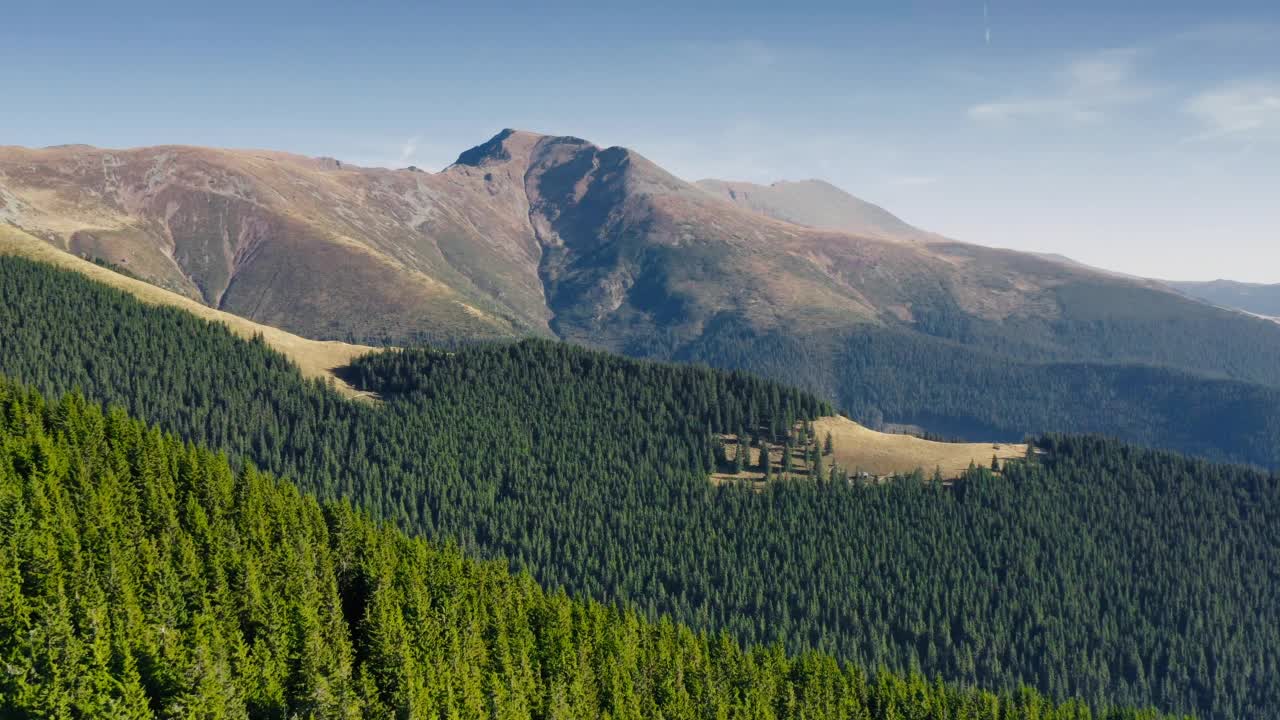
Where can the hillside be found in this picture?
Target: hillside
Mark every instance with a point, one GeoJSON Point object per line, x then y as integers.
{"type": "Point", "coordinates": [525, 233]}
{"type": "Point", "coordinates": [316, 359]}
{"type": "Point", "coordinates": [482, 446]}
{"type": "Point", "coordinates": [883, 377]}
{"type": "Point", "coordinates": [880, 453]}
{"type": "Point", "coordinates": [309, 245]}
{"type": "Point", "coordinates": [538, 235]}
{"type": "Point", "coordinates": [1252, 298]}
{"type": "Point", "coordinates": [160, 587]}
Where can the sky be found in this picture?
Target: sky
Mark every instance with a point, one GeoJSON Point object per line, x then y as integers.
{"type": "Point", "coordinates": [1139, 136]}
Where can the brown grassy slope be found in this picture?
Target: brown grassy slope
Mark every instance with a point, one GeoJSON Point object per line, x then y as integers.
{"type": "Point", "coordinates": [309, 245]}
{"type": "Point", "coordinates": [525, 234]}
{"type": "Point", "coordinates": [858, 449]}
{"type": "Point", "coordinates": [635, 257]}
{"type": "Point", "coordinates": [317, 359]}
{"type": "Point", "coordinates": [525, 230]}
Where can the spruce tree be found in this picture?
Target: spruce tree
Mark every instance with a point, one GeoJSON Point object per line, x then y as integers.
{"type": "Point", "coordinates": [482, 445]}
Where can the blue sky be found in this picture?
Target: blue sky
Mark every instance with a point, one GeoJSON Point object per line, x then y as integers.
{"type": "Point", "coordinates": [1139, 136]}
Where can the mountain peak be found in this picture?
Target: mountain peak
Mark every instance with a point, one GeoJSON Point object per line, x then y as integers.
{"type": "Point", "coordinates": [500, 148]}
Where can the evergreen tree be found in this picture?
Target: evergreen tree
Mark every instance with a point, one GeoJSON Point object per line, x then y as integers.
{"type": "Point", "coordinates": [588, 473]}
{"type": "Point", "coordinates": [233, 595]}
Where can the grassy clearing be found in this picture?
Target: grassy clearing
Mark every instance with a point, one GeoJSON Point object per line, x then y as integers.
{"type": "Point", "coordinates": [858, 450]}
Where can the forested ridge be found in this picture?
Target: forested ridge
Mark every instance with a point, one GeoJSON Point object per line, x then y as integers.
{"type": "Point", "coordinates": [1118, 575]}
{"type": "Point", "coordinates": [967, 390]}
{"type": "Point", "coordinates": [142, 577]}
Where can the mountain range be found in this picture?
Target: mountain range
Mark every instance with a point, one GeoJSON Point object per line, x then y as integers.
{"type": "Point", "coordinates": [1255, 298]}
{"type": "Point", "coordinates": [523, 234]}
{"type": "Point", "coordinates": [538, 235]}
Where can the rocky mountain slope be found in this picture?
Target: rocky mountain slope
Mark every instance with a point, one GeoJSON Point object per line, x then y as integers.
{"type": "Point", "coordinates": [311, 245]}
{"type": "Point", "coordinates": [524, 234]}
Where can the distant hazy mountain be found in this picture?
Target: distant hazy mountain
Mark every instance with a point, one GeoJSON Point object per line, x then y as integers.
{"type": "Point", "coordinates": [1253, 298]}
{"type": "Point", "coordinates": [817, 204]}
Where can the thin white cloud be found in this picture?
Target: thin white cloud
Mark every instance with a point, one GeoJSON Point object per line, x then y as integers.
{"type": "Point", "coordinates": [1106, 74]}
{"type": "Point", "coordinates": [425, 151]}
{"type": "Point", "coordinates": [1242, 108]}
{"type": "Point", "coordinates": [1085, 90]}
{"type": "Point", "coordinates": [755, 55]}
{"type": "Point", "coordinates": [1054, 108]}
{"type": "Point", "coordinates": [409, 149]}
